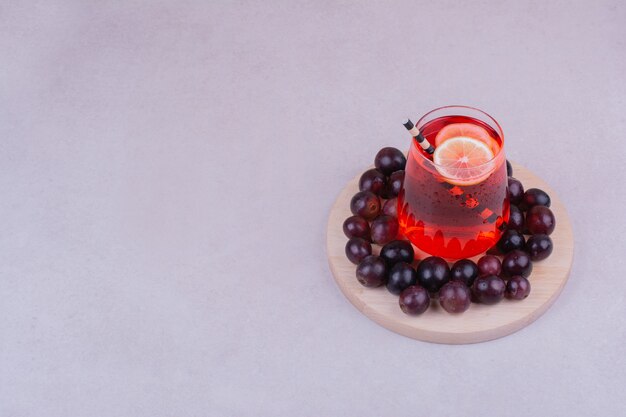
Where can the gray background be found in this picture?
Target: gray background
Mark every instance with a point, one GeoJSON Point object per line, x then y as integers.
{"type": "Point", "coordinates": [166, 173]}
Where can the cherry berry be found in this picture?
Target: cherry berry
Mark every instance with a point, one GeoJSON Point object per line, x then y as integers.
{"type": "Point", "coordinates": [489, 265]}
{"type": "Point", "coordinates": [516, 219]}
{"type": "Point", "coordinates": [535, 197]}
{"type": "Point", "coordinates": [373, 180]}
{"type": "Point", "coordinates": [401, 276]}
{"type": "Point", "coordinates": [384, 229]}
{"type": "Point", "coordinates": [517, 262]}
{"type": "Point", "coordinates": [455, 297]}
{"type": "Point", "coordinates": [357, 249]}
{"type": "Point", "coordinates": [414, 300]}
{"type": "Point", "coordinates": [372, 271]}
{"type": "Point", "coordinates": [432, 273]}
{"type": "Point", "coordinates": [510, 240]}
{"type": "Point", "coordinates": [356, 226]}
{"type": "Point", "coordinates": [488, 289]}
{"type": "Point", "coordinates": [539, 247]}
{"type": "Point", "coordinates": [517, 288]}
{"type": "Point", "coordinates": [509, 169]}
{"type": "Point", "coordinates": [397, 251]}
{"type": "Point", "coordinates": [365, 204]}
{"type": "Point", "coordinates": [394, 185]}
{"type": "Point", "coordinates": [390, 208]}
{"type": "Point", "coordinates": [540, 220]}
{"type": "Point", "coordinates": [389, 160]}
{"type": "Point", "coordinates": [516, 191]}
{"type": "Point", "coordinates": [465, 271]}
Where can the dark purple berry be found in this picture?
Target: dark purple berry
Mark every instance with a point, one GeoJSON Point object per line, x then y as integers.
{"type": "Point", "coordinates": [384, 229]}
{"type": "Point", "coordinates": [509, 169]}
{"type": "Point", "coordinates": [356, 226]}
{"type": "Point", "coordinates": [540, 220]}
{"type": "Point", "coordinates": [372, 271]}
{"type": "Point", "coordinates": [373, 180]}
{"type": "Point", "coordinates": [517, 288]}
{"type": "Point", "coordinates": [414, 300]}
{"type": "Point", "coordinates": [390, 208]}
{"type": "Point", "coordinates": [488, 289]}
{"type": "Point", "coordinates": [389, 160]}
{"type": "Point", "coordinates": [489, 265]}
{"type": "Point", "coordinates": [432, 273]}
{"type": "Point", "coordinates": [455, 297]}
{"type": "Point", "coordinates": [516, 191]}
{"type": "Point", "coordinates": [365, 204]}
{"type": "Point", "coordinates": [357, 249]}
{"type": "Point", "coordinates": [401, 276]}
{"type": "Point", "coordinates": [516, 219]}
{"type": "Point", "coordinates": [493, 251]}
{"type": "Point", "coordinates": [535, 197]}
{"type": "Point", "coordinates": [465, 271]}
{"type": "Point", "coordinates": [510, 240]}
{"type": "Point", "coordinates": [539, 247]}
{"type": "Point", "coordinates": [517, 262]}
{"type": "Point", "coordinates": [397, 251]}
{"type": "Point", "coordinates": [394, 185]}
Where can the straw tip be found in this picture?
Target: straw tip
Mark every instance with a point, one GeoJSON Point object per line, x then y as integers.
{"type": "Point", "coordinates": [408, 124]}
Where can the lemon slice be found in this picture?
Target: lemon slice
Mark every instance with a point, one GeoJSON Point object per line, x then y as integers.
{"type": "Point", "coordinates": [463, 160]}
{"type": "Point", "coordinates": [469, 130]}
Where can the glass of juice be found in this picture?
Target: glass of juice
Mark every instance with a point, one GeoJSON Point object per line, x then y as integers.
{"type": "Point", "coordinates": [454, 202]}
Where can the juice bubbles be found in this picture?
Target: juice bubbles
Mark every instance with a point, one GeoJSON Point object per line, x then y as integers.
{"type": "Point", "coordinates": [455, 202]}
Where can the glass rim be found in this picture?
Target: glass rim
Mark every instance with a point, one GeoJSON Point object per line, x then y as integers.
{"type": "Point", "coordinates": [460, 106]}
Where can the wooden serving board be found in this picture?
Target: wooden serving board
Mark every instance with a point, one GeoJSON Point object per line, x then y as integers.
{"type": "Point", "coordinates": [481, 322]}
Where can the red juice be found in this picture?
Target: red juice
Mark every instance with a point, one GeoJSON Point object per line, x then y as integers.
{"type": "Point", "coordinates": [446, 216]}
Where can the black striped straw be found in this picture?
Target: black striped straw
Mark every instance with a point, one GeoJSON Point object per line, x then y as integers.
{"type": "Point", "coordinates": [417, 135]}
{"type": "Point", "coordinates": [484, 212]}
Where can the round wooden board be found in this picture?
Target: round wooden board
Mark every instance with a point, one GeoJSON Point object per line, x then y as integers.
{"type": "Point", "coordinates": [478, 324]}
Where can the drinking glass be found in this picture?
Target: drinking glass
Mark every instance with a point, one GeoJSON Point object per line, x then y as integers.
{"type": "Point", "coordinates": [455, 213]}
